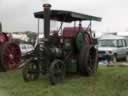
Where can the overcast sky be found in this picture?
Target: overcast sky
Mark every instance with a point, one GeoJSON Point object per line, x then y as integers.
{"type": "Point", "coordinates": [17, 15]}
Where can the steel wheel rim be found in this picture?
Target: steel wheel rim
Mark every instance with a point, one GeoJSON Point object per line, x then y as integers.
{"type": "Point", "coordinates": [58, 71]}
{"type": "Point", "coordinates": [90, 63]}
{"type": "Point", "coordinates": [91, 60]}
{"type": "Point", "coordinates": [29, 72]}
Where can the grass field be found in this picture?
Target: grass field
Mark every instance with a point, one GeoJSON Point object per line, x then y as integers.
{"type": "Point", "coordinates": [109, 81]}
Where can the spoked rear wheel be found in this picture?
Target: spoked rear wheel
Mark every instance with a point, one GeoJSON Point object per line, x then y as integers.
{"type": "Point", "coordinates": [92, 64]}
{"type": "Point", "coordinates": [56, 72]}
{"type": "Point", "coordinates": [88, 60]}
{"type": "Point", "coordinates": [30, 71]}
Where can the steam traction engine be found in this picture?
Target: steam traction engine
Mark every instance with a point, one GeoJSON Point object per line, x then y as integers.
{"type": "Point", "coordinates": [66, 50]}
{"type": "Point", "coordinates": [9, 52]}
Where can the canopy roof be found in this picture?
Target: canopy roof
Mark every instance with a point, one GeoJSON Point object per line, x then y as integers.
{"type": "Point", "coordinates": [67, 16]}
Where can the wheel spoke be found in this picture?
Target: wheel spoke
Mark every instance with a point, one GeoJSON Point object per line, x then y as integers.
{"type": "Point", "coordinates": [11, 55]}
{"type": "Point", "coordinates": [30, 72]}
{"type": "Point", "coordinates": [56, 72]}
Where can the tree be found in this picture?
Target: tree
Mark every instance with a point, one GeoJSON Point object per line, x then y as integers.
{"type": "Point", "coordinates": [32, 36]}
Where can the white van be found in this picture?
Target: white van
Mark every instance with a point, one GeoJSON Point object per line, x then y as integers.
{"type": "Point", "coordinates": [112, 46]}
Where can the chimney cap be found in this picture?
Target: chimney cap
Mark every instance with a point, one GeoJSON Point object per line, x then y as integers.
{"type": "Point", "coordinates": [46, 5]}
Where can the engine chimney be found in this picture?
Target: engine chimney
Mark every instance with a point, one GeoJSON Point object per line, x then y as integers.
{"type": "Point", "coordinates": [46, 19]}
{"type": "Point", "coordinates": [0, 27]}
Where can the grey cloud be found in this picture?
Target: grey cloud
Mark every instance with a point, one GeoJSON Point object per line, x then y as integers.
{"type": "Point", "coordinates": [17, 15]}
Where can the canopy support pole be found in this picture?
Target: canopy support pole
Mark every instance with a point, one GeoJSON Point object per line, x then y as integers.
{"type": "Point", "coordinates": [38, 32]}
{"type": "Point", "coordinates": [80, 25]}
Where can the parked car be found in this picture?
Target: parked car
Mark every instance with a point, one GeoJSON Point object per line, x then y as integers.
{"type": "Point", "coordinates": [112, 47]}
{"type": "Point", "coordinates": [25, 48]}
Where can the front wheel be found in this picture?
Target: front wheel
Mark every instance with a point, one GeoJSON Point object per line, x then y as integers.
{"type": "Point", "coordinates": [30, 71]}
{"type": "Point", "coordinates": [56, 72]}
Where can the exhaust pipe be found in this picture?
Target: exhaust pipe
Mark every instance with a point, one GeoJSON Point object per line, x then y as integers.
{"type": "Point", "coordinates": [0, 27]}
{"type": "Point", "coordinates": [46, 20]}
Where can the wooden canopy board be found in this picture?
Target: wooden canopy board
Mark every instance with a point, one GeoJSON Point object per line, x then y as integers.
{"type": "Point", "coordinates": [67, 16]}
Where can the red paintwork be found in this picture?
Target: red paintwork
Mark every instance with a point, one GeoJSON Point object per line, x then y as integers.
{"type": "Point", "coordinates": [3, 38]}
{"type": "Point", "coordinates": [70, 32]}
{"type": "Point", "coordinates": [11, 53]}
{"type": "Point", "coordinates": [12, 56]}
